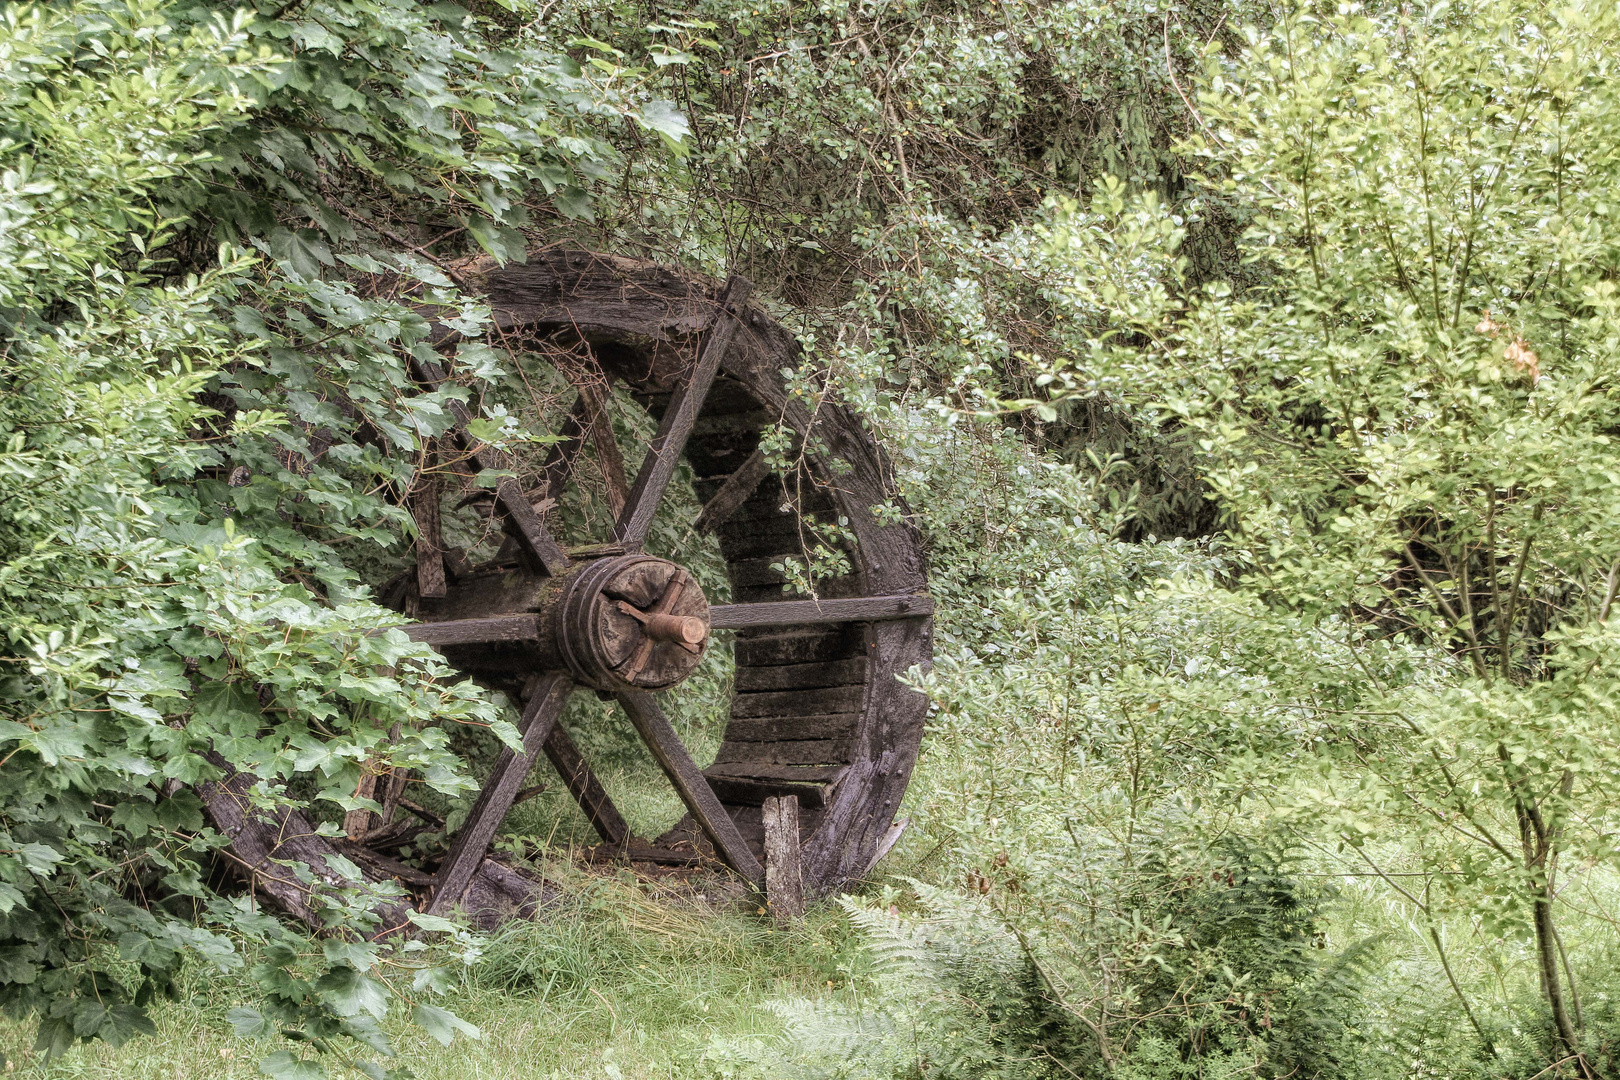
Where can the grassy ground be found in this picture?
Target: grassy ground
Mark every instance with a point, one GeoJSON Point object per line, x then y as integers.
{"type": "Point", "coordinates": [625, 980]}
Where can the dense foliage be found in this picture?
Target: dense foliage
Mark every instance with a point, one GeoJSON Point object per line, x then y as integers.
{"type": "Point", "coordinates": [1250, 371]}
{"type": "Point", "coordinates": [184, 489]}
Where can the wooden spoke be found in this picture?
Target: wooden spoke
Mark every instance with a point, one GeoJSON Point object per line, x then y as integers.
{"type": "Point", "coordinates": [664, 452]}
{"type": "Point", "coordinates": [546, 696]}
{"type": "Point", "coordinates": [492, 630]}
{"type": "Point", "coordinates": [733, 493]}
{"type": "Point", "coordinates": [587, 418]}
{"type": "Point", "coordinates": [592, 405]}
{"type": "Point", "coordinates": [653, 727]}
{"type": "Point", "coordinates": [807, 612]}
{"type": "Point", "coordinates": [554, 474]}
{"type": "Point", "coordinates": [544, 553]}
{"type": "Point", "coordinates": [585, 787]}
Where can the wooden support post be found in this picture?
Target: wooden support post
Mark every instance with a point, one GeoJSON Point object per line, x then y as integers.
{"type": "Point", "coordinates": [784, 874]}
{"type": "Point", "coordinates": [357, 822]}
{"type": "Point", "coordinates": [430, 580]}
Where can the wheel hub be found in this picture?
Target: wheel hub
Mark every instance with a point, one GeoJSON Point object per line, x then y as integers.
{"type": "Point", "coordinates": [631, 622]}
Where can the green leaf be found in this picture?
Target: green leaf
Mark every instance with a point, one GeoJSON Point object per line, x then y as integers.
{"type": "Point", "coordinates": [181, 811]}
{"type": "Point", "coordinates": [302, 251]}
{"type": "Point", "coordinates": [17, 964]}
{"type": "Point", "coordinates": [501, 241]}
{"type": "Point", "coordinates": [442, 1024]}
{"type": "Point", "coordinates": [41, 858]}
{"type": "Point", "coordinates": [282, 1065]}
{"type": "Point", "coordinates": [356, 954]}
{"type": "Point", "coordinates": [574, 203]}
{"type": "Point", "coordinates": [666, 118]}
{"type": "Point", "coordinates": [432, 923]}
{"type": "Point", "coordinates": [123, 1022]}
{"type": "Point", "coordinates": [347, 992]}
{"type": "Point", "coordinates": [508, 733]}
{"type": "Point", "coordinates": [248, 1023]}
{"type": "Point", "coordinates": [54, 1038]}
{"type": "Point", "coordinates": [136, 815]}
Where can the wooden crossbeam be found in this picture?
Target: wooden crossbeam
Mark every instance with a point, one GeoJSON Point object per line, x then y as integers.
{"type": "Point", "coordinates": [680, 416]}
{"type": "Point", "coordinates": [810, 612]}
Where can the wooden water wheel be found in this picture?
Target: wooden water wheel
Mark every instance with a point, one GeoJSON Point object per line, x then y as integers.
{"type": "Point", "coordinates": [820, 725]}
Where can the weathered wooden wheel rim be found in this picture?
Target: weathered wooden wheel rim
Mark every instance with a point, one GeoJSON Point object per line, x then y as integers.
{"type": "Point", "coordinates": [820, 710]}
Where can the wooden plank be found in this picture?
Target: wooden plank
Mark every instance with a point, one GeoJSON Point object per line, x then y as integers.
{"type": "Point", "coordinates": [748, 791]}
{"type": "Point", "coordinates": [651, 724]}
{"type": "Point", "coordinates": [847, 587]}
{"type": "Point", "coordinates": [785, 535]}
{"type": "Point", "coordinates": [261, 844]}
{"type": "Point", "coordinates": [799, 645]}
{"type": "Point", "coordinates": [640, 851]}
{"type": "Point", "coordinates": [830, 699]}
{"type": "Point", "coordinates": [547, 556]}
{"type": "Point", "coordinates": [496, 628]}
{"type": "Point", "coordinates": [547, 694]}
{"type": "Point", "coordinates": [795, 774]}
{"type": "Point", "coordinates": [810, 612]}
{"type": "Point", "coordinates": [784, 874]}
{"type": "Point", "coordinates": [745, 573]}
{"type": "Point", "coordinates": [664, 452]}
{"type": "Point", "coordinates": [751, 420]}
{"type": "Point", "coordinates": [787, 752]}
{"type": "Point", "coordinates": [777, 526]}
{"type": "Point", "coordinates": [802, 676]}
{"type": "Point", "coordinates": [776, 728]}
{"type": "Point", "coordinates": [729, 396]}
{"type": "Point", "coordinates": [722, 454]}
{"type": "Point", "coordinates": [733, 493]}
{"type": "Point", "coordinates": [585, 787]}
